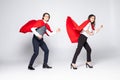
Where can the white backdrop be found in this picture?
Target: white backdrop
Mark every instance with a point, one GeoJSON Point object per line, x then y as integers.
{"type": "Point", "coordinates": [17, 47]}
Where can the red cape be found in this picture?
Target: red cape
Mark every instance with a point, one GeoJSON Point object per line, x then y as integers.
{"type": "Point", "coordinates": [73, 29]}
{"type": "Point", "coordinates": [34, 23]}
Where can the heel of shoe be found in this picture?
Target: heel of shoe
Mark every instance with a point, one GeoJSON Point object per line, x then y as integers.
{"type": "Point", "coordinates": [87, 65]}
{"type": "Point", "coordinates": [73, 67]}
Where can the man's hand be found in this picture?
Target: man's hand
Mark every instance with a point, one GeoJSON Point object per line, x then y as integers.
{"type": "Point", "coordinates": [58, 30]}
{"type": "Point", "coordinates": [40, 36]}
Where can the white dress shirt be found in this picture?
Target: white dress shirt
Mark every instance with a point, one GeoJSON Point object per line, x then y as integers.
{"type": "Point", "coordinates": [36, 33]}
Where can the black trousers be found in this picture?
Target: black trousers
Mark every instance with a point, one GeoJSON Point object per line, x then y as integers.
{"type": "Point", "coordinates": [36, 44]}
{"type": "Point", "coordinates": [82, 42]}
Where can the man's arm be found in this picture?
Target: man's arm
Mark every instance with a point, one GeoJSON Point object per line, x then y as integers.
{"type": "Point", "coordinates": [52, 33]}
{"type": "Point", "coordinates": [36, 33]}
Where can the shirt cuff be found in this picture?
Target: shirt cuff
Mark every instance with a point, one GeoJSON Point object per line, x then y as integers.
{"type": "Point", "coordinates": [34, 31]}
{"type": "Point", "coordinates": [51, 33]}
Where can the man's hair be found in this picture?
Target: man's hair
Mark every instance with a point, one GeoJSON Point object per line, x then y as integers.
{"type": "Point", "coordinates": [46, 14]}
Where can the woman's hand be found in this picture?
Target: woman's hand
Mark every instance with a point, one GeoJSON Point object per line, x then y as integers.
{"type": "Point", "coordinates": [101, 26]}
{"type": "Point", "coordinates": [98, 29]}
{"type": "Point", "coordinates": [91, 33]}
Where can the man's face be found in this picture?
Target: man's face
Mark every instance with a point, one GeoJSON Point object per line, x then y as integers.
{"type": "Point", "coordinates": [46, 17]}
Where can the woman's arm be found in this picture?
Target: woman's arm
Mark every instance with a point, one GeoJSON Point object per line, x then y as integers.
{"type": "Point", "coordinates": [98, 29]}
{"type": "Point", "coordinates": [86, 29]}
{"type": "Point", "coordinates": [89, 33]}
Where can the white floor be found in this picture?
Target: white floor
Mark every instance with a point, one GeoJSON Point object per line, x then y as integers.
{"type": "Point", "coordinates": [106, 70]}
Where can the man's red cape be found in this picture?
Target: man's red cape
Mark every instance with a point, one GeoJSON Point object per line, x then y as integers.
{"type": "Point", "coordinates": [34, 23]}
{"type": "Point", "coordinates": [73, 29]}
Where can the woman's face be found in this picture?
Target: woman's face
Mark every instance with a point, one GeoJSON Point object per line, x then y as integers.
{"type": "Point", "coordinates": [46, 17]}
{"type": "Point", "coordinates": [92, 19]}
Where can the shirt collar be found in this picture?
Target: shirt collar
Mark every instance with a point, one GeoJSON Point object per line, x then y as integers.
{"type": "Point", "coordinates": [44, 21]}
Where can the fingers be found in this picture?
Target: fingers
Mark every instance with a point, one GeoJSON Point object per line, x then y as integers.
{"type": "Point", "coordinates": [58, 30]}
{"type": "Point", "coordinates": [101, 26]}
{"type": "Point", "coordinates": [39, 36]}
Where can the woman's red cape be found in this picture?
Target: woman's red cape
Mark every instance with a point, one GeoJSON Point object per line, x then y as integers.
{"type": "Point", "coordinates": [73, 29]}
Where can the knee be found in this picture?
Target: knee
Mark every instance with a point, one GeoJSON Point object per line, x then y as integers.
{"type": "Point", "coordinates": [78, 49]}
{"type": "Point", "coordinates": [35, 54]}
{"type": "Point", "coordinates": [47, 51]}
{"type": "Point", "coordinates": [89, 50]}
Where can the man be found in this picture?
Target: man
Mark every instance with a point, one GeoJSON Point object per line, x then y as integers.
{"type": "Point", "coordinates": [39, 28]}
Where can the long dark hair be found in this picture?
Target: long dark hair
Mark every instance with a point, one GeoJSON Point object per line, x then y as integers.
{"type": "Point", "coordinates": [92, 15]}
{"type": "Point", "coordinates": [46, 14]}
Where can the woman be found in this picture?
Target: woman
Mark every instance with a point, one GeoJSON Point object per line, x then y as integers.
{"type": "Point", "coordinates": [85, 32]}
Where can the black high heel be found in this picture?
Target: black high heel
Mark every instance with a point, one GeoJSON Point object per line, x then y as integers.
{"type": "Point", "coordinates": [73, 67]}
{"type": "Point", "coordinates": [87, 65]}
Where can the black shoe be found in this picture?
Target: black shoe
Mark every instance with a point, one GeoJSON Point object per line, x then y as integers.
{"type": "Point", "coordinates": [46, 66]}
{"type": "Point", "coordinates": [73, 67]}
{"type": "Point", "coordinates": [88, 65]}
{"type": "Point", "coordinates": [31, 68]}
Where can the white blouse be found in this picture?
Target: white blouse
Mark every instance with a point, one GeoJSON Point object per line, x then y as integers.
{"type": "Point", "coordinates": [87, 27]}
